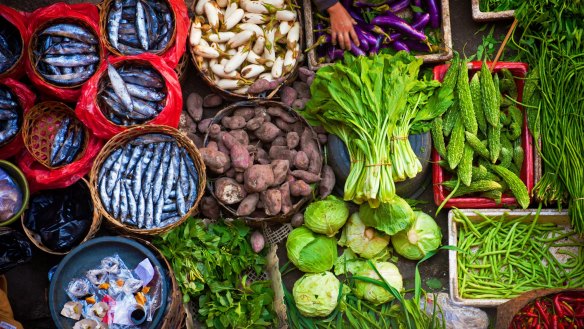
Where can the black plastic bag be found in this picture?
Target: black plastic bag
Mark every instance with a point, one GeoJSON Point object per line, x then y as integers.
{"type": "Point", "coordinates": [61, 218]}
{"type": "Point", "coordinates": [14, 249]}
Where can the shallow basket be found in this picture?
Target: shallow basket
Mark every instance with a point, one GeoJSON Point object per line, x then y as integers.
{"type": "Point", "coordinates": [104, 9]}
{"type": "Point", "coordinates": [489, 16]}
{"type": "Point", "coordinates": [280, 218]}
{"type": "Point", "coordinates": [120, 140]}
{"type": "Point", "coordinates": [181, 67]}
{"type": "Point", "coordinates": [40, 125]}
{"type": "Point", "coordinates": [95, 224]}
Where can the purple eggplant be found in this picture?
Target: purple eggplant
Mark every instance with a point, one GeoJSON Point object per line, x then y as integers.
{"type": "Point", "coordinates": [417, 46]}
{"type": "Point", "coordinates": [418, 24]}
{"type": "Point", "coordinates": [432, 8]}
{"type": "Point", "coordinates": [374, 49]}
{"type": "Point", "coordinates": [357, 51]}
{"type": "Point", "coordinates": [364, 36]}
{"type": "Point", "coordinates": [399, 6]}
{"type": "Point", "coordinates": [417, 3]}
{"type": "Point", "coordinates": [391, 20]}
{"type": "Point", "coordinates": [334, 53]}
{"type": "Point", "coordinates": [367, 4]}
{"type": "Point", "coordinates": [399, 45]}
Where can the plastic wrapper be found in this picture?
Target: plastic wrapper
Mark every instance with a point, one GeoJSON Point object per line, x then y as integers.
{"type": "Point", "coordinates": [26, 99]}
{"type": "Point", "coordinates": [62, 12]}
{"type": "Point", "coordinates": [14, 249]}
{"type": "Point", "coordinates": [40, 177]}
{"type": "Point", "coordinates": [10, 196]}
{"type": "Point", "coordinates": [456, 316]}
{"type": "Point", "coordinates": [88, 111]}
{"type": "Point", "coordinates": [62, 217]}
{"type": "Point", "coordinates": [18, 19]}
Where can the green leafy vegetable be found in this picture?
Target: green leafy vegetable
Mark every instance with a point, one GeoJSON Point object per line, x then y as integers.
{"type": "Point", "coordinates": [390, 217]}
{"type": "Point", "coordinates": [311, 252]}
{"type": "Point", "coordinates": [326, 216]}
{"type": "Point", "coordinates": [363, 240]}
{"type": "Point", "coordinates": [422, 237]}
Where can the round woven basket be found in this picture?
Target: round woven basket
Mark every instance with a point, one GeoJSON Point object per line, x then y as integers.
{"type": "Point", "coordinates": [95, 224]}
{"type": "Point", "coordinates": [175, 313]}
{"type": "Point", "coordinates": [120, 140]}
{"type": "Point", "coordinates": [181, 67]}
{"type": "Point", "coordinates": [33, 43]}
{"type": "Point", "coordinates": [255, 220]}
{"type": "Point", "coordinates": [237, 97]}
{"type": "Point", "coordinates": [104, 9]}
{"type": "Point", "coordinates": [40, 125]}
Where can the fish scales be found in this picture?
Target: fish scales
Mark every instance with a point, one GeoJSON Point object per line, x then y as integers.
{"type": "Point", "coordinates": [114, 23]}
{"type": "Point", "coordinates": [147, 182]}
{"type": "Point", "coordinates": [149, 213]}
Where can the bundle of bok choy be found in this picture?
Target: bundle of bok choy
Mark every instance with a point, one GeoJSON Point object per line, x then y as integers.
{"type": "Point", "coordinates": [372, 103]}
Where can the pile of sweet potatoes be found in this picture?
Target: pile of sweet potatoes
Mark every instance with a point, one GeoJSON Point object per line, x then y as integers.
{"type": "Point", "coordinates": [264, 160]}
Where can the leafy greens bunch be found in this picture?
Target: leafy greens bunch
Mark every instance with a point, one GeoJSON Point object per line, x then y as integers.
{"type": "Point", "coordinates": [210, 264]}
{"type": "Point", "coordinates": [372, 103]}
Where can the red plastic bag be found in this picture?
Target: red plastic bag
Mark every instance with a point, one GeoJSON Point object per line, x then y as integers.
{"type": "Point", "coordinates": [17, 19]}
{"type": "Point", "coordinates": [40, 177]}
{"type": "Point", "coordinates": [26, 99]}
{"type": "Point", "coordinates": [89, 113]}
{"type": "Point", "coordinates": [85, 13]}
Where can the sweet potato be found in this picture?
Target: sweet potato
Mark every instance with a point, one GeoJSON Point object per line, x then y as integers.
{"type": "Point", "coordinates": [297, 220]}
{"type": "Point", "coordinates": [327, 183]}
{"type": "Point", "coordinates": [288, 95]}
{"type": "Point", "coordinates": [275, 83]}
{"type": "Point", "coordinates": [260, 205]}
{"type": "Point", "coordinates": [278, 112]}
{"type": "Point", "coordinates": [212, 145]}
{"type": "Point", "coordinates": [304, 73]}
{"type": "Point", "coordinates": [285, 196]}
{"type": "Point", "coordinates": [261, 156]}
{"type": "Point", "coordinates": [282, 153]}
{"type": "Point", "coordinates": [259, 86]}
{"type": "Point", "coordinates": [214, 131]}
{"type": "Point", "coordinates": [221, 147]}
{"type": "Point", "coordinates": [230, 173]}
{"type": "Point", "coordinates": [301, 160]}
{"type": "Point", "coordinates": [299, 103]}
{"type": "Point", "coordinates": [248, 205]}
{"type": "Point", "coordinates": [241, 136]}
{"type": "Point", "coordinates": [283, 125]}
{"type": "Point", "coordinates": [254, 123]}
{"type": "Point", "coordinates": [306, 176]}
{"type": "Point", "coordinates": [239, 177]}
{"type": "Point", "coordinates": [302, 89]}
{"type": "Point", "coordinates": [300, 188]}
{"type": "Point", "coordinates": [280, 169]}
{"type": "Point", "coordinates": [292, 140]}
{"type": "Point", "coordinates": [210, 207]}
{"type": "Point", "coordinates": [315, 162]}
{"type": "Point", "coordinates": [261, 112]}
{"type": "Point", "coordinates": [216, 161]}
{"type": "Point", "coordinates": [195, 106]}
{"type": "Point", "coordinates": [212, 100]}
{"type": "Point", "coordinates": [234, 122]}
{"type": "Point", "coordinates": [240, 158]}
{"type": "Point", "coordinates": [258, 178]}
{"type": "Point", "coordinates": [272, 200]}
{"type": "Point", "coordinates": [228, 191]}
{"type": "Point", "coordinates": [309, 80]}
{"type": "Point", "coordinates": [267, 132]}
{"type": "Point", "coordinates": [203, 125]}
{"type": "Point", "coordinates": [246, 112]}
{"type": "Point", "coordinates": [322, 138]}
{"type": "Point", "coordinates": [310, 147]}
{"type": "Point", "coordinates": [279, 141]}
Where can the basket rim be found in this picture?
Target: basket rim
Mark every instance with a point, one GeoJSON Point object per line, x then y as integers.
{"type": "Point", "coordinates": [131, 133]}
{"type": "Point", "coordinates": [253, 103]}
{"type": "Point", "coordinates": [23, 51]}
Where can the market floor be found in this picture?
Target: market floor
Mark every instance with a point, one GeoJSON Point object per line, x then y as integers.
{"type": "Point", "coordinates": [28, 284]}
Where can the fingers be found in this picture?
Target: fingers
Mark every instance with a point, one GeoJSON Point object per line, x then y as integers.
{"type": "Point", "coordinates": [354, 37]}
{"type": "Point", "coordinates": [347, 40]}
{"type": "Point", "coordinates": [334, 37]}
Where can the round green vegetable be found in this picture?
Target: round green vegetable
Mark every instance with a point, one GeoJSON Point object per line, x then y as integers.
{"type": "Point", "coordinates": [374, 293]}
{"type": "Point", "coordinates": [422, 237]}
{"type": "Point", "coordinates": [390, 217]}
{"type": "Point", "coordinates": [326, 216]}
{"type": "Point", "coordinates": [311, 252]}
{"type": "Point", "coordinates": [363, 240]}
{"type": "Point", "coordinates": [316, 294]}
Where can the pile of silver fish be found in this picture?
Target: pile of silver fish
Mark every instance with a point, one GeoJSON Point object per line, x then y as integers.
{"type": "Point", "coordinates": [67, 143]}
{"type": "Point", "coordinates": [66, 54]}
{"type": "Point", "coordinates": [131, 95]}
{"type": "Point", "coordinates": [10, 45]}
{"type": "Point", "coordinates": [10, 118]}
{"type": "Point", "coordinates": [149, 182]}
{"type": "Point", "coordinates": [10, 196]}
{"type": "Point", "coordinates": [137, 26]}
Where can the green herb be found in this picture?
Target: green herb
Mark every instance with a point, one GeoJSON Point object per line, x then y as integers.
{"type": "Point", "coordinates": [211, 265]}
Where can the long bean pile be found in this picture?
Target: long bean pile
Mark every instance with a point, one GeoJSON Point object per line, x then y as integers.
{"type": "Point", "coordinates": [552, 43]}
{"type": "Point", "coordinates": [505, 257]}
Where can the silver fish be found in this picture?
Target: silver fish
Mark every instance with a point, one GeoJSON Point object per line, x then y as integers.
{"type": "Point", "coordinates": [71, 60]}
{"type": "Point", "coordinates": [158, 210]}
{"type": "Point", "coordinates": [140, 168]}
{"type": "Point", "coordinates": [141, 25]}
{"type": "Point", "coordinates": [7, 104]}
{"type": "Point", "coordinates": [115, 170]}
{"type": "Point", "coordinates": [132, 206]}
{"type": "Point", "coordinates": [152, 138]}
{"type": "Point", "coordinates": [158, 179]}
{"type": "Point", "coordinates": [7, 114]}
{"type": "Point", "coordinates": [71, 31]}
{"type": "Point", "coordinates": [141, 213]}
{"type": "Point", "coordinates": [59, 140]}
{"type": "Point", "coordinates": [136, 154]}
{"type": "Point", "coordinates": [70, 48]}
{"type": "Point", "coordinates": [149, 213]}
{"type": "Point", "coordinates": [10, 130]}
{"type": "Point", "coordinates": [145, 108]}
{"type": "Point", "coordinates": [115, 203]}
{"type": "Point", "coordinates": [119, 87]}
{"type": "Point", "coordinates": [72, 78]}
{"type": "Point", "coordinates": [180, 191]}
{"type": "Point", "coordinates": [170, 207]}
{"type": "Point", "coordinates": [76, 146]}
{"type": "Point", "coordinates": [171, 173]}
{"type": "Point", "coordinates": [152, 168]}
{"type": "Point", "coordinates": [145, 93]}
{"type": "Point", "coordinates": [114, 23]}
{"type": "Point", "coordinates": [123, 205]}
{"type": "Point", "coordinates": [142, 79]}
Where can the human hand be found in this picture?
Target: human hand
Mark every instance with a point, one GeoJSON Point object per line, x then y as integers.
{"type": "Point", "coordinates": [342, 26]}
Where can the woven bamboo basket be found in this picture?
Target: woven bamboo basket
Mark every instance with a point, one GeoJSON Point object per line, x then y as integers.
{"type": "Point", "coordinates": [291, 77]}
{"type": "Point", "coordinates": [104, 9]}
{"type": "Point", "coordinates": [254, 220]}
{"type": "Point", "coordinates": [40, 125]}
{"type": "Point", "coordinates": [181, 67]}
{"type": "Point", "coordinates": [121, 139]}
{"type": "Point", "coordinates": [95, 224]}
{"type": "Point", "coordinates": [175, 312]}
{"type": "Point", "coordinates": [18, 62]}
{"type": "Point", "coordinates": [33, 44]}
{"type": "Point", "coordinates": [102, 82]}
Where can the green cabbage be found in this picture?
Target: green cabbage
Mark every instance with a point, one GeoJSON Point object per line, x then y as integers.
{"type": "Point", "coordinates": [316, 294]}
{"type": "Point", "coordinates": [326, 216]}
{"type": "Point", "coordinates": [391, 217]}
{"type": "Point", "coordinates": [374, 293]}
{"type": "Point", "coordinates": [422, 237]}
{"type": "Point", "coordinates": [311, 252]}
{"type": "Point", "coordinates": [365, 241]}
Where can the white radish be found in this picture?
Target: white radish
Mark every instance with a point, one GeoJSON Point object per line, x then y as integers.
{"type": "Point", "coordinates": [230, 9]}
{"type": "Point", "coordinates": [270, 49]}
{"type": "Point", "coordinates": [293, 35]}
{"type": "Point", "coordinates": [196, 33]}
{"type": "Point", "coordinates": [206, 51]}
{"type": "Point", "coordinates": [233, 19]}
{"type": "Point", "coordinates": [252, 70]}
{"type": "Point", "coordinates": [266, 76]}
{"type": "Point", "coordinates": [277, 68]}
{"type": "Point", "coordinates": [222, 3]}
{"type": "Point", "coordinates": [251, 27]}
{"type": "Point", "coordinates": [212, 12]}
{"type": "Point", "coordinates": [290, 60]}
{"type": "Point", "coordinates": [240, 39]}
{"type": "Point", "coordinates": [231, 52]}
{"type": "Point", "coordinates": [220, 37]}
{"type": "Point", "coordinates": [258, 46]}
{"type": "Point", "coordinates": [222, 46]}
{"type": "Point", "coordinates": [255, 58]}
{"type": "Point", "coordinates": [284, 28]}
{"type": "Point", "coordinates": [219, 70]}
{"type": "Point", "coordinates": [200, 7]}
{"type": "Point", "coordinates": [242, 90]}
{"type": "Point", "coordinates": [203, 42]}
{"type": "Point", "coordinates": [275, 3]}
{"type": "Point", "coordinates": [223, 61]}
{"type": "Point", "coordinates": [228, 84]}
{"type": "Point", "coordinates": [202, 64]}
{"type": "Point", "coordinates": [254, 18]}
{"type": "Point", "coordinates": [237, 59]}
{"type": "Point", "coordinates": [254, 6]}
{"type": "Point", "coordinates": [285, 15]}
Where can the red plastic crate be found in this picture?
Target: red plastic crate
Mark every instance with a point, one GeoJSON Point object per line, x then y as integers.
{"type": "Point", "coordinates": [439, 175]}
